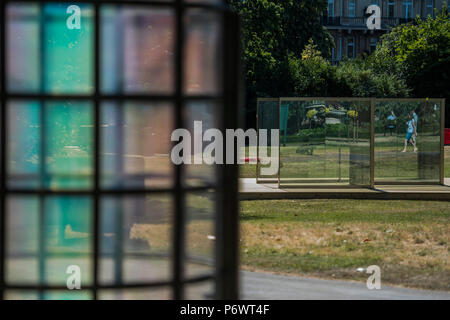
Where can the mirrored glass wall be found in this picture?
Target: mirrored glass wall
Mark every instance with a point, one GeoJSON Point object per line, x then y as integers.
{"type": "Point", "coordinates": [267, 119]}
{"type": "Point", "coordinates": [88, 184]}
{"type": "Point", "coordinates": [354, 142]}
{"type": "Point", "coordinates": [419, 158]}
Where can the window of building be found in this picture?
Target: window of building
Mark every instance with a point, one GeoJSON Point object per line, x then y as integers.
{"type": "Point", "coordinates": [407, 6]}
{"type": "Point", "coordinates": [373, 2]}
{"type": "Point", "coordinates": [87, 179]}
{"type": "Point", "coordinates": [373, 44]}
{"type": "Point", "coordinates": [351, 47]}
{"type": "Point", "coordinates": [331, 8]}
{"type": "Point", "coordinates": [429, 8]}
{"type": "Point", "coordinates": [391, 8]}
{"type": "Point", "coordinates": [351, 8]}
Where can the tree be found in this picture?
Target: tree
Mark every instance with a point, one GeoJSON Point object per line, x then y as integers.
{"type": "Point", "coordinates": [315, 76]}
{"type": "Point", "coordinates": [274, 34]}
{"type": "Point", "coordinates": [420, 53]}
{"type": "Point", "coordinates": [358, 78]}
{"type": "Point", "coordinates": [286, 50]}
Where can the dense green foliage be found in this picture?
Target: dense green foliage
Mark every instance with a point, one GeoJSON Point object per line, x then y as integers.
{"type": "Point", "coordinates": [274, 34]}
{"type": "Point", "coordinates": [285, 52]}
{"type": "Point", "coordinates": [315, 76]}
{"type": "Point", "coordinates": [419, 53]}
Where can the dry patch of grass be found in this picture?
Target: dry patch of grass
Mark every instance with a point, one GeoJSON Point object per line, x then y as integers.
{"type": "Point", "coordinates": [409, 240]}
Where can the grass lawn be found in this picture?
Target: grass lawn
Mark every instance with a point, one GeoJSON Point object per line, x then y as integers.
{"type": "Point", "coordinates": [409, 240]}
{"type": "Point", "coordinates": [247, 170]}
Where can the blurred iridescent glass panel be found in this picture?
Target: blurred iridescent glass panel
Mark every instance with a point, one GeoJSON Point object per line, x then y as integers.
{"type": "Point", "coordinates": [22, 240]}
{"type": "Point", "coordinates": [23, 35]}
{"type": "Point", "coordinates": [48, 295]}
{"type": "Point", "coordinates": [203, 60]}
{"type": "Point", "coordinates": [45, 236]}
{"type": "Point", "coordinates": [136, 238]}
{"type": "Point", "coordinates": [69, 158]}
{"type": "Point", "coordinates": [136, 145]}
{"type": "Point", "coordinates": [48, 56]}
{"type": "Point", "coordinates": [137, 50]}
{"type": "Point", "coordinates": [24, 149]}
{"type": "Point", "coordinates": [67, 147]}
{"type": "Point", "coordinates": [200, 117]}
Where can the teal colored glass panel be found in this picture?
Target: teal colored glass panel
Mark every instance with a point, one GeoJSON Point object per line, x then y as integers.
{"type": "Point", "coordinates": [48, 295]}
{"type": "Point", "coordinates": [68, 52]}
{"type": "Point", "coordinates": [160, 293]}
{"type": "Point", "coordinates": [68, 238]}
{"type": "Point", "coordinates": [24, 147]}
{"type": "Point", "coordinates": [66, 147]}
{"type": "Point", "coordinates": [207, 113]}
{"type": "Point", "coordinates": [49, 56]}
{"type": "Point", "coordinates": [67, 295]}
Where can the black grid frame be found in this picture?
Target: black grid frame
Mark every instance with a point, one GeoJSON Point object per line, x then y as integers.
{"type": "Point", "coordinates": [225, 276]}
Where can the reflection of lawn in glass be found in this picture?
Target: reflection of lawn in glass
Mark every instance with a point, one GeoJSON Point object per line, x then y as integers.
{"type": "Point", "coordinates": [247, 170]}
{"type": "Point", "coordinates": [392, 164]}
{"type": "Point", "coordinates": [314, 161]}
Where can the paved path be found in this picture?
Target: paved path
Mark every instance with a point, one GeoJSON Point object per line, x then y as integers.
{"type": "Point", "coordinates": [250, 190]}
{"type": "Point", "coordinates": [262, 286]}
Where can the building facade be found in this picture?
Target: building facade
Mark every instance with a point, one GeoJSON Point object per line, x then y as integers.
{"type": "Point", "coordinates": [346, 21]}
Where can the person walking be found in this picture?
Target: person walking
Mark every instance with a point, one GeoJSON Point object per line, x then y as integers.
{"type": "Point", "coordinates": [410, 132]}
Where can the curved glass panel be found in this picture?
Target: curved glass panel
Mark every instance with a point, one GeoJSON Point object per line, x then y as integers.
{"type": "Point", "coordinates": [93, 200]}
